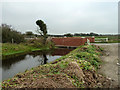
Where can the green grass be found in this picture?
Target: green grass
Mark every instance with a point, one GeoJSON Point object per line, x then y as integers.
{"type": "Point", "coordinates": [11, 49]}
{"type": "Point", "coordinates": [111, 39]}
{"type": "Point", "coordinates": [87, 55]}
{"type": "Point", "coordinates": [8, 49]}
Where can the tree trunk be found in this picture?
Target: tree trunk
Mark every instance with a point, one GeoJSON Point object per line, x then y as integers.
{"type": "Point", "coordinates": [44, 40]}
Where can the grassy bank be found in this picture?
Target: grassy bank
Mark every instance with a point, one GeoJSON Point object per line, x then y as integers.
{"type": "Point", "coordinates": [76, 69]}
{"type": "Point", "coordinates": [9, 50]}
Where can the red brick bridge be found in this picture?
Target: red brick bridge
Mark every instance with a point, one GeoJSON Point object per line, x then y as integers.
{"type": "Point", "coordinates": [71, 41]}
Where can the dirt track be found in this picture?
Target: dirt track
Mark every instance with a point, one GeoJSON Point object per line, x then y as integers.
{"type": "Point", "coordinates": [109, 67]}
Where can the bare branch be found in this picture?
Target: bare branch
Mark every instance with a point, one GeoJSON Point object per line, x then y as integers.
{"type": "Point", "coordinates": [38, 31]}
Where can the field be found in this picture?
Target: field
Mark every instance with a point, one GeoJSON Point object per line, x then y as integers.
{"type": "Point", "coordinates": [111, 38]}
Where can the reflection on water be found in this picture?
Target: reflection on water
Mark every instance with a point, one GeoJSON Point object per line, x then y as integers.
{"type": "Point", "coordinates": [61, 51]}
{"type": "Point", "coordinates": [15, 65]}
{"type": "Point", "coordinates": [6, 64]}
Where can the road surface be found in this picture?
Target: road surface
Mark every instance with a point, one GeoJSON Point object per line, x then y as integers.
{"type": "Point", "coordinates": [110, 67]}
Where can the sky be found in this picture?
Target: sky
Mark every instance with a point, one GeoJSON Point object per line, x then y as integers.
{"type": "Point", "coordinates": [62, 16]}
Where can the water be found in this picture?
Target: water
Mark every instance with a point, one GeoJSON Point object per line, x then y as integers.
{"type": "Point", "coordinates": [15, 65]}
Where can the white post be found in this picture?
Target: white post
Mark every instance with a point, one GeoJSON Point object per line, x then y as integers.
{"type": "Point", "coordinates": [93, 36]}
{"type": "Point", "coordinates": [106, 39]}
{"type": "Point", "coordinates": [12, 40]}
{"type": "Point", "coordinates": [88, 41]}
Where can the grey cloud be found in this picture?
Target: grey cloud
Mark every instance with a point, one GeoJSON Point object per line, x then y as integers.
{"type": "Point", "coordinates": [62, 17]}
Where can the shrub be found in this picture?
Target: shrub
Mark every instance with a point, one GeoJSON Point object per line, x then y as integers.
{"type": "Point", "coordinates": [34, 43]}
{"type": "Point", "coordinates": [8, 34]}
{"type": "Point", "coordinates": [39, 43]}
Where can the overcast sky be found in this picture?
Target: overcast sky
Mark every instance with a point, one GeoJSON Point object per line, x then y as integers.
{"type": "Point", "coordinates": [62, 16]}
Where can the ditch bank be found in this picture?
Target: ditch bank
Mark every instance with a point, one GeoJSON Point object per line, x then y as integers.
{"type": "Point", "coordinates": [20, 53]}
{"type": "Point", "coordinates": [14, 50]}
{"type": "Point", "coordinates": [78, 69]}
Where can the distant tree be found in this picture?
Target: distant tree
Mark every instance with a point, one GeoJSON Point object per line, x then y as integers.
{"type": "Point", "coordinates": [82, 34]}
{"type": "Point", "coordinates": [42, 30]}
{"type": "Point", "coordinates": [9, 34]}
{"type": "Point", "coordinates": [76, 34]}
{"type": "Point", "coordinates": [68, 35]}
{"type": "Point", "coordinates": [93, 34]}
{"type": "Point", "coordinates": [29, 33]}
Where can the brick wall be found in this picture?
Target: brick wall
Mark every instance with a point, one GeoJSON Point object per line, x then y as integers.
{"type": "Point", "coordinates": [71, 41]}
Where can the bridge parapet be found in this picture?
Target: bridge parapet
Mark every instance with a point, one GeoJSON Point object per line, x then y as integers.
{"type": "Point", "coordinates": [71, 41]}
